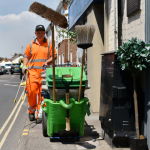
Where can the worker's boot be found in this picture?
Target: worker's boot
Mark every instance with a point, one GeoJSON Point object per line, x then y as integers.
{"type": "Point", "coordinates": [31, 117]}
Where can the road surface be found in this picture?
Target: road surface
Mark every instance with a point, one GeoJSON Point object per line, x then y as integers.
{"type": "Point", "coordinates": [12, 115]}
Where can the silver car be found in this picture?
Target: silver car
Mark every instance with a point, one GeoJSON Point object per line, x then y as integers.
{"type": "Point", "coordinates": [2, 69]}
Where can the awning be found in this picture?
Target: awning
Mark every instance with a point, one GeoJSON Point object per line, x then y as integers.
{"type": "Point", "coordinates": [78, 8]}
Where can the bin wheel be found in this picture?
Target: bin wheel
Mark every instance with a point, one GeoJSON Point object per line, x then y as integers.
{"type": "Point", "coordinates": [44, 124]}
{"type": "Point", "coordinates": [38, 121]}
{"type": "Point", "coordinates": [52, 140]}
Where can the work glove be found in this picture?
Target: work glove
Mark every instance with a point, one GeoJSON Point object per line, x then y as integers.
{"type": "Point", "coordinates": [45, 64]}
{"type": "Point", "coordinates": [24, 69]}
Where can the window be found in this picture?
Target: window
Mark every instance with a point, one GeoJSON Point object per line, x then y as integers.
{"type": "Point", "coordinates": [77, 56]}
{"type": "Point", "coordinates": [59, 59]}
{"type": "Point", "coordinates": [7, 64]}
{"type": "Point", "coordinates": [132, 6]}
{"type": "Point", "coordinates": [16, 65]}
{"type": "Point", "coordinates": [63, 58]}
{"type": "Point", "coordinates": [71, 57]}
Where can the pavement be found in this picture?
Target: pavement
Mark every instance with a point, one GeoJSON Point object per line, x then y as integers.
{"type": "Point", "coordinates": [32, 137]}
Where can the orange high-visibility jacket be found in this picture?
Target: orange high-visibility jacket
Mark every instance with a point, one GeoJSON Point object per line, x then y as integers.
{"type": "Point", "coordinates": [38, 54]}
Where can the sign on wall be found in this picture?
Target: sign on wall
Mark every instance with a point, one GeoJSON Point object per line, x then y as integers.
{"type": "Point", "coordinates": [132, 6]}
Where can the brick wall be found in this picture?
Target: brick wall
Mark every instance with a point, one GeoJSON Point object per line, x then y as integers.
{"type": "Point", "coordinates": [63, 48]}
{"type": "Point", "coordinates": [133, 26]}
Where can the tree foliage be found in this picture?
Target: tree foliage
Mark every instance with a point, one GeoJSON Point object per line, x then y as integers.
{"type": "Point", "coordinates": [71, 35]}
{"type": "Point", "coordinates": [133, 56]}
{"type": "Point", "coordinates": [1, 58]}
{"type": "Point", "coordinates": [68, 1]}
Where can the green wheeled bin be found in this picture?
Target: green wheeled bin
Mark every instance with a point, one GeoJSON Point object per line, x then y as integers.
{"type": "Point", "coordinates": [54, 114]}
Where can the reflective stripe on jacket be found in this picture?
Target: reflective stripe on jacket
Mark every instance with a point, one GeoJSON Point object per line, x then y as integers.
{"type": "Point", "coordinates": [21, 66]}
{"type": "Point", "coordinates": [38, 54]}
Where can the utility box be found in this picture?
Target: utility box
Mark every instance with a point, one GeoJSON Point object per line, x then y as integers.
{"type": "Point", "coordinates": [116, 103]}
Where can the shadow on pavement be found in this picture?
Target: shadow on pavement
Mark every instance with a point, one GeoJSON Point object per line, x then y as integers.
{"type": "Point", "coordinates": [32, 124]}
{"type": "Point", "coordinates": [88, 141]}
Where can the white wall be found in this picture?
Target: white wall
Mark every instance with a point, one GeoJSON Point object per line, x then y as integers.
{"type": "Point", "coordinates": [133, 26]}
{"type": "Point", "coordinates": [96, 17]}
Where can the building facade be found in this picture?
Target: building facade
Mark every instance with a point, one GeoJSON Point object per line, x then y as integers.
{"type": "Point", "coordinates": [113, 28]}
{"type": "Point", "coordinates": [91, 12]}
{"type": "Point", "coordinates": [63, 53]}
{"type": "Point", "coordinates": [66, 51]}
{"type": "Point", "coordinates": [119, 27]}
{"type": "Point", "coordinates": [116, 21]}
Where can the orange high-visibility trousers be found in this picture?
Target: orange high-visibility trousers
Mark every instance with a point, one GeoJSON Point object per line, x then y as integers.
{"type": "Point", "coordinates": [33, 88]}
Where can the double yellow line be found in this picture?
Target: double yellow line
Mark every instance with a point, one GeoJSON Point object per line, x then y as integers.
{"type": "Point", "coordinates": [10, 116]}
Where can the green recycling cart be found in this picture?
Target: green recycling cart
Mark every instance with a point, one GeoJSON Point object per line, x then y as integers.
{"type": "Point", "coordinates": [54, 114]}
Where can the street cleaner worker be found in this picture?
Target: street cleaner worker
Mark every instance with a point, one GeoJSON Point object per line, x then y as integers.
{"type": "Point", "coordinates": [39, 54]}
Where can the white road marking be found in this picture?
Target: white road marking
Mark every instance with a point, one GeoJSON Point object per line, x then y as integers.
{"type": "Point", "coordinates": [6, 122]}
{"type": "Point", "coordinates": [10, 85]}
{"type": "Point", "coordinates": [3, 81]}
{"type": "Point", "coordinates": [13, 82]}
{"type": "Point", "coordinates": [7, 132]}
{"type": "Point", "coordinates": [13, 76]}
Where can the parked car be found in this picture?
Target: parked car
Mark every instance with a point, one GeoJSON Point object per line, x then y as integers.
{"type": "Point", "coordinates": [15, 68]}
{"type": "Point", "coordinates": [8, 66]}
{"type": "Point", "coordinates": [3, 70]}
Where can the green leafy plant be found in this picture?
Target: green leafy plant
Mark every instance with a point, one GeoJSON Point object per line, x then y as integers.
{"type": "Point", "coordinates": [1, 58]}
{"type": "Point", "coordinates": [71, 35]}
{"type": "Point", "coordinates": [134, 56]}
{"type": "Point", "coordinates": [68, 1]}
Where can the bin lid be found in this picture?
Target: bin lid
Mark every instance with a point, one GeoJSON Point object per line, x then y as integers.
{"type": "Point", "coordinates": [59, 71]}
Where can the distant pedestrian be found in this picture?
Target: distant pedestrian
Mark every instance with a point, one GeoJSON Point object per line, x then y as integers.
{"type": "Point", "coordinates": [21, 66]}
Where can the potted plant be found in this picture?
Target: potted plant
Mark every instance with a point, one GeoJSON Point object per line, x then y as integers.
{"type": "Point", "coordinates": [134, 56]}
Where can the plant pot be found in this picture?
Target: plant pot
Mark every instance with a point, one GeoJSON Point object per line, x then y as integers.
{"type": "Point", "coordinates": [138, 144]}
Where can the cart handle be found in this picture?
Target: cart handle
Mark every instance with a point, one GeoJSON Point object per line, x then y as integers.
{"type": "Point", "coordinates": [67, 76]}
{"type": "Point", "coordinates": [67, 106]}
{"type": "Point", "coordinates": [44, 67]}
{"type": "Point", "coordinates": [89, 104]}
{"type": "Point", "coordinates": [44, 108]}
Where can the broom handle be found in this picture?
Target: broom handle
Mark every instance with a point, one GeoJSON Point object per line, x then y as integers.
{"type": "Point", "coordinates": [68, 127]}
{"type": "Point", "coordinates": [53, 56]}
{"type": "Point", "coordinates": [83, 59]}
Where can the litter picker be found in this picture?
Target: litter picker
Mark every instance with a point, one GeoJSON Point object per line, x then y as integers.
{"type": "Point", "coordinates": [23, 93]}
{"type": "Point", "coordinates": [85, 35]}
{"type": "Point", "coordinates": [19, 89]}
{"type": "Point", "coordinates": [56, 19]}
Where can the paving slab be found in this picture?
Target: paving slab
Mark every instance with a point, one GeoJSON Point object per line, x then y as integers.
{"type": "Point", "coordinates": [91, 140]}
